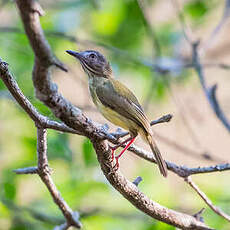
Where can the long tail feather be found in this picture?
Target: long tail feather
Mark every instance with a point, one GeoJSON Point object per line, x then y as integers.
{"type": "Point", "coordinates": [161, 163]}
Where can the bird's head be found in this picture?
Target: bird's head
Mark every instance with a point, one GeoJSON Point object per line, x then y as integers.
{"type": "Point", "coordinates": [93, 63]}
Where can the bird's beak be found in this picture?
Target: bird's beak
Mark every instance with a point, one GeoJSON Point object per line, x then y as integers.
{"type": "Point", "coordinates": [75, 54]}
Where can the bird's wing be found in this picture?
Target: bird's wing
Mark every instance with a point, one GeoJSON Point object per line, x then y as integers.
{"type": "Point", "coordinates": [118, 97]}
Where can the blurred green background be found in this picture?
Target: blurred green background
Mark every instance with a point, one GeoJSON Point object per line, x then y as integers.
{"type": "Point", "coordinates": [117, 28]}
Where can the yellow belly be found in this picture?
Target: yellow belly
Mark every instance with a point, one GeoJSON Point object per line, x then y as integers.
{"type": "Point", "coordinates": [117, 119]}
{"type": "Point", "coordinates": [112, 115]}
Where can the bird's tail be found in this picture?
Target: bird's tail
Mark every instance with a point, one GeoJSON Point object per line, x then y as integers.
{"type": "Point", "coordinates": [161, 163]}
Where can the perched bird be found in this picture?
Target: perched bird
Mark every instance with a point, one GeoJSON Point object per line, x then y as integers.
{"type": "Point", "coordinates": [117, 103]}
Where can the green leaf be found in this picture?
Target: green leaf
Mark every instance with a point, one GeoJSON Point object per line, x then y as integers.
{"type": "Point", "coordinates": [196, 9]}
{"type": "Point", "coordinates": [88, 153]}
{"type": "Point", "coordinates": [8, 184]}
{"type": "Point", "coordinates": [9, 190]}
{"type": "Point", "coordinates": [58, 146]}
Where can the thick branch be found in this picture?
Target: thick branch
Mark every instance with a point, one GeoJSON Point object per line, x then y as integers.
{"type": "Point", "coordinates": [131, 192]}
{"type": "Point", "coordinates": [26, 105]}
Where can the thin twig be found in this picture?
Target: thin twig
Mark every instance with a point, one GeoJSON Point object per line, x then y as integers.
{"type": "Point", "coordinates": [225, 16]}
{"type": "Point", "coordinates": [150, 29]}
{"type": "Point", "coordinates": [156, 49]}
{"type": "Point", "coordinates": [206, 199]}
{"type": "Point", "coordinates": [27, 170]}
{"type": "Point", "coordinates": [137, 180]}
{"type": "Point", "coordinates": [181, 112]}
{"type": "Point", "coordinates": [182, 171]}
{"type": "Point", "coordinates": [182, 21]}
{"type": "Point", "coordinates": [210, 92]}
{"type": "Point", "coordinates": [156, 66]}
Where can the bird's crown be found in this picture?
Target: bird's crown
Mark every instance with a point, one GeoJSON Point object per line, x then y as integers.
{"type": "Point", "coordinates": [93, 62]}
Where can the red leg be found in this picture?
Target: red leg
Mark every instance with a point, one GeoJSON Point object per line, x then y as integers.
{"type": "Point", "coordinates": [116, 166]}
{"type": "Point", "coordinates": [117, 146]}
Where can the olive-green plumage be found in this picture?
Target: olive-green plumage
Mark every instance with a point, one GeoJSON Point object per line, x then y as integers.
{"type": "Point", "coordinates": [116, 102]}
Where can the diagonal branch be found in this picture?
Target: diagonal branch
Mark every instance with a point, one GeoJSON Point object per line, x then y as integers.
{"type": "Point", "coordinates": [210, 92]}
{"type": "Point", "coordinates": [72, 218]}
{"type": "Point", "coordinates": [217, 29]}
{"type": "Point", "coordinates": [26, 105]}
{"type": "Point", "coordinates": [182, 21]}
{"type": "Point", "coordinates": [207, 200]}
{"type": "Point", "coordinates": [150, 29]}
{"type": "Point", "coordinates": [131, 192]}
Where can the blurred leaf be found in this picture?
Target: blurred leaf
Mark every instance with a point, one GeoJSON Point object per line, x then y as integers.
{"type": "Point", "coordinates": [196, 8]}
{"type": "Point", "coordinates": [2, 86]}
{"type": "Point", "coordinates": [9, 190]}
{"type": "Point", "coordinates": [8, 184]}
{"type": "Point", "coordinates": [3, 209]}
{"type": "Point", "coordinates": [88, 153]}
{"type": "Point", "coordinates": [58, 146]}
{"type": "Point", "coordinates": [167, 38]}
{"type": "Point", "coordinates": [21, 223]}
{"type": "Point", "coordinates": [127, 25]}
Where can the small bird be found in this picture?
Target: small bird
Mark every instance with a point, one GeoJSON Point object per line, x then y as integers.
{"type": "Point", "coordinates": [117, 103]}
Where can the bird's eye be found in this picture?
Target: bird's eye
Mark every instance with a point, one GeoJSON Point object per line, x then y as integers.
{"type": "Point", "coordinates": [92, 56]}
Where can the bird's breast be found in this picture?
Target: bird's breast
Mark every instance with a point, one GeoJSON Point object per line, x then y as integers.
{"type": "Point", "coordinates": [111, 115]}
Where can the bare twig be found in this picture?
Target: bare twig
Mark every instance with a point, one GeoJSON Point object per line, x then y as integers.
{"type": "Point", "coordinates": [216, 30]}
{"type": "Point", "coordinates": [179, 147]}
{"type": "Point", "coordinates": [182, 21]}
{"type": "Point", "coordinates": [156, 66]}
{"type": "Point", "coordinates": [156, 49]}
{"type": "Point", "coordinates": [27, 170]}
{"type": "Point", "coordinates": [182, 171]}
{"type": "Point", "coordinates": [207, 200]}
{"type": "Point", "coordinates": [137, 181]}
{"type": "Point", "coordinates": [181, 111]}
{"type": "Point", "coordinates": [210, 92]}
{"type": "Point", "coordinates": [198, 215]}
{"type": "Point", "coordinates": [150, 29]}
